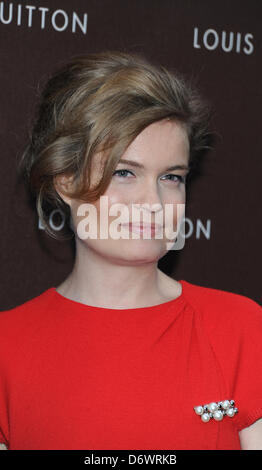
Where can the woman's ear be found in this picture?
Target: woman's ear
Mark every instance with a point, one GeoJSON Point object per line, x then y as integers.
{"type": "Point", "coordinates": [63, 184]}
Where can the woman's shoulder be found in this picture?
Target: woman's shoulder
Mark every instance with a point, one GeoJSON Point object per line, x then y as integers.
{"type": "Point", "coordinates": [222, 307]}
{"type": "Point", "coordinates": [232, 324]}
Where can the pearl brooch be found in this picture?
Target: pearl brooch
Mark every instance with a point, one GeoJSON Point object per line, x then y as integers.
{"type": "Point", "coordinates": [216, 410]}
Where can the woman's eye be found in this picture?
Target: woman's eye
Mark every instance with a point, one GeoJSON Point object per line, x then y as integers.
{"type": "Point", "coordinates": [175, 178]}
{"type": "Point", "coordinates": [181, 179]}
{"type": "Point", "coordinates": [122, 173]}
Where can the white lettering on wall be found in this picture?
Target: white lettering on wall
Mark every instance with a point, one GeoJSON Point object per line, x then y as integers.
{"type": "Point", "coordinates": [43, 12]}
{"type": "Point", "coordinates": [19, 12]}
{"type": "Point", "coordinates": [250, 49]}
{"type": "Point", "coordinates": [30, 12]}
{"type": "Point", "coordinates": [10, 14]}
{"type": "Point", "coordinates": [30, 15]}
{"type": "Point", "coordinates": [201, 229]}
{"type": "Point", "coordinates": [76, 20]}
{"type": "Point", "coordinates": [53, 220]}
{"type": "Point", "coordinates": [65, 18]}
{"type": "Point", "coordinates": [211, 39]}
{"type": "Point", "coordinates": [228, 41]}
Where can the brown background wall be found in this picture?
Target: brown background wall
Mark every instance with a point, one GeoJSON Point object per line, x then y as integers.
{"type": "Point", "coordinates": [224, 200]}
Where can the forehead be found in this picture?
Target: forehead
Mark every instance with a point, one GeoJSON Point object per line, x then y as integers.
{"type": "Point", "coordinates": [165, 139]}
{"type": "Point", "coordinates": [162, 141]}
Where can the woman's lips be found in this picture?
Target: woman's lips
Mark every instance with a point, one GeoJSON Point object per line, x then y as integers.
{"type": "Point", "coordinates": [143, 227]}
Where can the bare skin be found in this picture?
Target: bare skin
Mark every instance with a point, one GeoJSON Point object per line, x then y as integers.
{"type": "Point", "coordinates": [251, 437]}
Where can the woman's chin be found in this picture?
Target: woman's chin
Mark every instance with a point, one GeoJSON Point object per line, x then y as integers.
{"type": "Point", "coordinates": [132, 252]}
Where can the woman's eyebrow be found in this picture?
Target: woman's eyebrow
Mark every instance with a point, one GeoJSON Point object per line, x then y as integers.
{"type": "Point", "coordinates": [139, 165]}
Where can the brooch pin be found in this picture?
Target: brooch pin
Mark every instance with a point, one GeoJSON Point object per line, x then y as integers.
{"type": "Point", "coordinates": [216, 410]}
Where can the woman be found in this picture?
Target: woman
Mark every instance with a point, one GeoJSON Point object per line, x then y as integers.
{"type": "Point", "coordinates": [120, 356]}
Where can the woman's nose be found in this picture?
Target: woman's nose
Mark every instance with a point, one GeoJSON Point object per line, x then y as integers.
{"type": "Point", "coordinates": [149, 199]}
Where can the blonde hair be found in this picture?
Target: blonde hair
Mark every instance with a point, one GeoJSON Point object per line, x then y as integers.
{"type": "Point", "coordinates": [101, 102]}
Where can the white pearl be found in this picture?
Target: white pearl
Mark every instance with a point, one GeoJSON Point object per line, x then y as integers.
{"type": "Point", "coordinates": [225, 404]}
{"type": "Point", "coordinates": [205, 417]}
{"type": "Point", "coordinates": [230, 412]}
{"type": "Point", "coordinates": [199, 410]}
{"type": "Point", "coordinates": [212, 407]}
{"type": "Point", "coordinates": [218, 415]}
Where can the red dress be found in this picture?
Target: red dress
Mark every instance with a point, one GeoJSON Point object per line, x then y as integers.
{"type": "Point", "coordinates": [73, 376]}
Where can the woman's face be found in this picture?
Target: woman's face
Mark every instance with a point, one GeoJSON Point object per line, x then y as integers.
{"type": "Point", "coordinates": [143, 186]}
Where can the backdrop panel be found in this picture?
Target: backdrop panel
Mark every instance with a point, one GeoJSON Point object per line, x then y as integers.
{"type": "Point", "coordinates": [218, 44]}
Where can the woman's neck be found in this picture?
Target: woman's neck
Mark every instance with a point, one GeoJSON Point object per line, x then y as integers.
{"type": "Point", "coordinates": [103, 282]}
